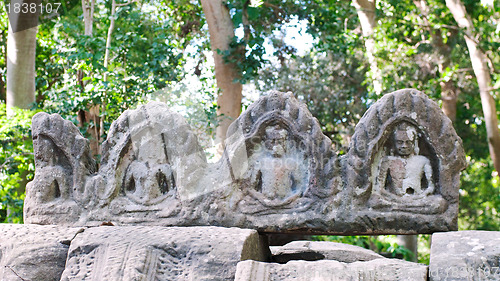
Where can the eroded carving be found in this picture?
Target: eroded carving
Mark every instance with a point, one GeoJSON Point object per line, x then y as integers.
{"type": "Point", "coordinates": [278, 173]}
{"type": "Point", "coordinates": [62, 163]}
{"type": "Point", "coordinates": [275, 173]}
{"type": "Point", "coordinates": [403, 171]}
{"type": "Point", "coordinates": [280, 161]}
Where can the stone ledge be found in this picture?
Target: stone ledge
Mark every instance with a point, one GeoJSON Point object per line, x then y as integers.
{"type": "Point", "coordinates": [34, 252]}
{"type": "Point", "coordinates": [465, 255]}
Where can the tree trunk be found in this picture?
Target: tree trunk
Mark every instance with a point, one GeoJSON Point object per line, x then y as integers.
{"type": "Point", "coordinates": [482, 72]}
{"type": "Point", "coordinates": [366, 14]}
{"type": "Point", "coordinates": [410, 242]}
{"type": "Point", "coordinates": [21, 50]}
{"type": "Point", "coordinates": [221, 32]}
{"type": "Point", "coordinates": [110, 35]}
{"type": "Point", "coordinates": [2, 89]}
{"type": "Point", "coordinates": [449, 93]}
{"type": "Point", "coordinates": [449, 97]}
{"type": "Point", "coordinates": [92, 115]}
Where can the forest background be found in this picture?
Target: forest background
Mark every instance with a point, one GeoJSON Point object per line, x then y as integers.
{"type": "Point", "coordinates": [210, 59]}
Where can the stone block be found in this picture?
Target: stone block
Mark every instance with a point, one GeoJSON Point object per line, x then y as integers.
{"type": "Point", "coordinates": [326, 270]}
{"type": "Point", "coordinates": [34, 252]}
{"type": "Point", "coordinates": [124, 253]}
{"type": "Point", "coordinates": [321, 250]}
{"type": "Point", "coordinates": [465, 255]}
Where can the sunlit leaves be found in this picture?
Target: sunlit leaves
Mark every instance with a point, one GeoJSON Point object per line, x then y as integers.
{"type": "Point", "coordinates": [16, 162]}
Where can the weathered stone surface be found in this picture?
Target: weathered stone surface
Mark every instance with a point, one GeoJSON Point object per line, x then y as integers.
{"type": "Point", "coordinates": [33, 252]}
{"type": "Point", "coordinates": [465, 255]}
{"type": "Point", "coordinates": [321, 250]}
{"type": "Point", "coordinates": [411, 185]}
{"type": "Point", "coordinates": [124, 253]}
{"type": "Point", "coordinates": [62, 164]}
{"type": "Point", "coordinates": [278, 173]}
{"type": "Point", "coordinates": [325, 270]}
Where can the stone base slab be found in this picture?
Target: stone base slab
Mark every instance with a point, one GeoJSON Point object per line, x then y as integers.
{"type": "Point", "coordinates": [326, 270]}
{"type": "Point", "coordinates": [35, 252]}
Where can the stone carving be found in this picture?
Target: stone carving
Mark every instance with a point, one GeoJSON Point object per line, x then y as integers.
{"type": "Point", "coordinates": [275, 173]}
{"type": "Point", "coordinates": [161, 253]}
{"type": "Point", "coordinates": [279, 158]}
{"type": "Point", "coordinates": [278, 172]}
{"type": "Point", "coordinates": [33, 252]}
{"type": "Point", "coordinates": [39, 252]}
{"type": "Point", "coordinates": [404, 172]}
{"type": "Point", "coordinates": [409, 183]}
{"type": "Point", "coordinates": [62, 163]}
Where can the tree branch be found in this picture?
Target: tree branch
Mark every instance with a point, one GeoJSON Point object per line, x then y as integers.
{"type": "Point", "coordinates": [245, 21]}
{"type": "Point", "coordinates": [15, 272]}
{"type": "Point", "coordinates": [276, 10]}
{"type": "Point", "coordinates": [125, 4]}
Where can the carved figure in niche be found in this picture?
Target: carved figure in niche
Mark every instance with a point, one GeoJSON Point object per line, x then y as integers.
{"type": "Point", "coordinates": [404, 172]}
{"type": "Point", "coordinates": [148, 183]}
{"type": "Point", "coordinates": [149, 175]}
{"type": "Point", "coordinates": [53, 170]}
{"type": "Point", "coordinates": [277, 172]}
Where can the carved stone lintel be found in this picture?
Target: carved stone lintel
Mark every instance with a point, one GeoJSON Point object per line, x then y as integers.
{"type": "Point", "coordinates": [278, 172]}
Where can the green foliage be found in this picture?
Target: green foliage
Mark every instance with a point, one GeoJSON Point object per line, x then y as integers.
{"type": "Point", "coordinates": [16, 162]}
{"type": "Point", "coordinates": [479, 197]}
{"type": "Point", "coordinates": [424, 248]}
{"type": "Point", "coordinates": [330, 85]}
{"type": "Point", "coordinates": [3, 49]}
{"type": "Point", "coordinates": [144, 58]}
{"type": "Point", "coordinates": [336, 25]}
{"type": "Point", "coordinates": [257, 22]}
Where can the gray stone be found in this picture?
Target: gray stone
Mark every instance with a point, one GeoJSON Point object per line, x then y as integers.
{"type": "Point", "coordinates": [321, 250]}
{"type": "Point", "coordinates": [325, 270]}
{"type": "Point", "coordinates": [33, 252]}
{"type": "Point", "coordinates": [161, 253]}
{"type": "Point", "coordinates": [465, 255]}
{"type": "Point", "coordinates": [278, 173]}
{"type": "Point", "coordinates": [412, 185]}
{"type": "Point", "coordinates": [62, 165]}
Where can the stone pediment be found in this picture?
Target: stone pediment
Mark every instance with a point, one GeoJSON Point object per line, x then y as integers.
{"type": "Point", "coordinates": [278, 173]}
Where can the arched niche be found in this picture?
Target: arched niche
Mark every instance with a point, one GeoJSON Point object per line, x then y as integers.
{"type": "Point", "coordinates": [383, 179]}
{"type": "Point", "coordinates": [150, 154]}
{"type": "Point", "coordinates": [438, 142]}
{"type": "Point", "coordinates": [247, 145]}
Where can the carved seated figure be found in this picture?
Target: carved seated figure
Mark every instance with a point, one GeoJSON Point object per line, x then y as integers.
{"type": "Point", "coordinates": [405, 172]}
{"type": "Point", "coordinates": [276, 173]}
{"type": "Point", "coordinates": [53, 171]}
{"type": "Point", "coordinates": [149, 177]}
{"type": "Point", "coordinates": [147, 184]}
